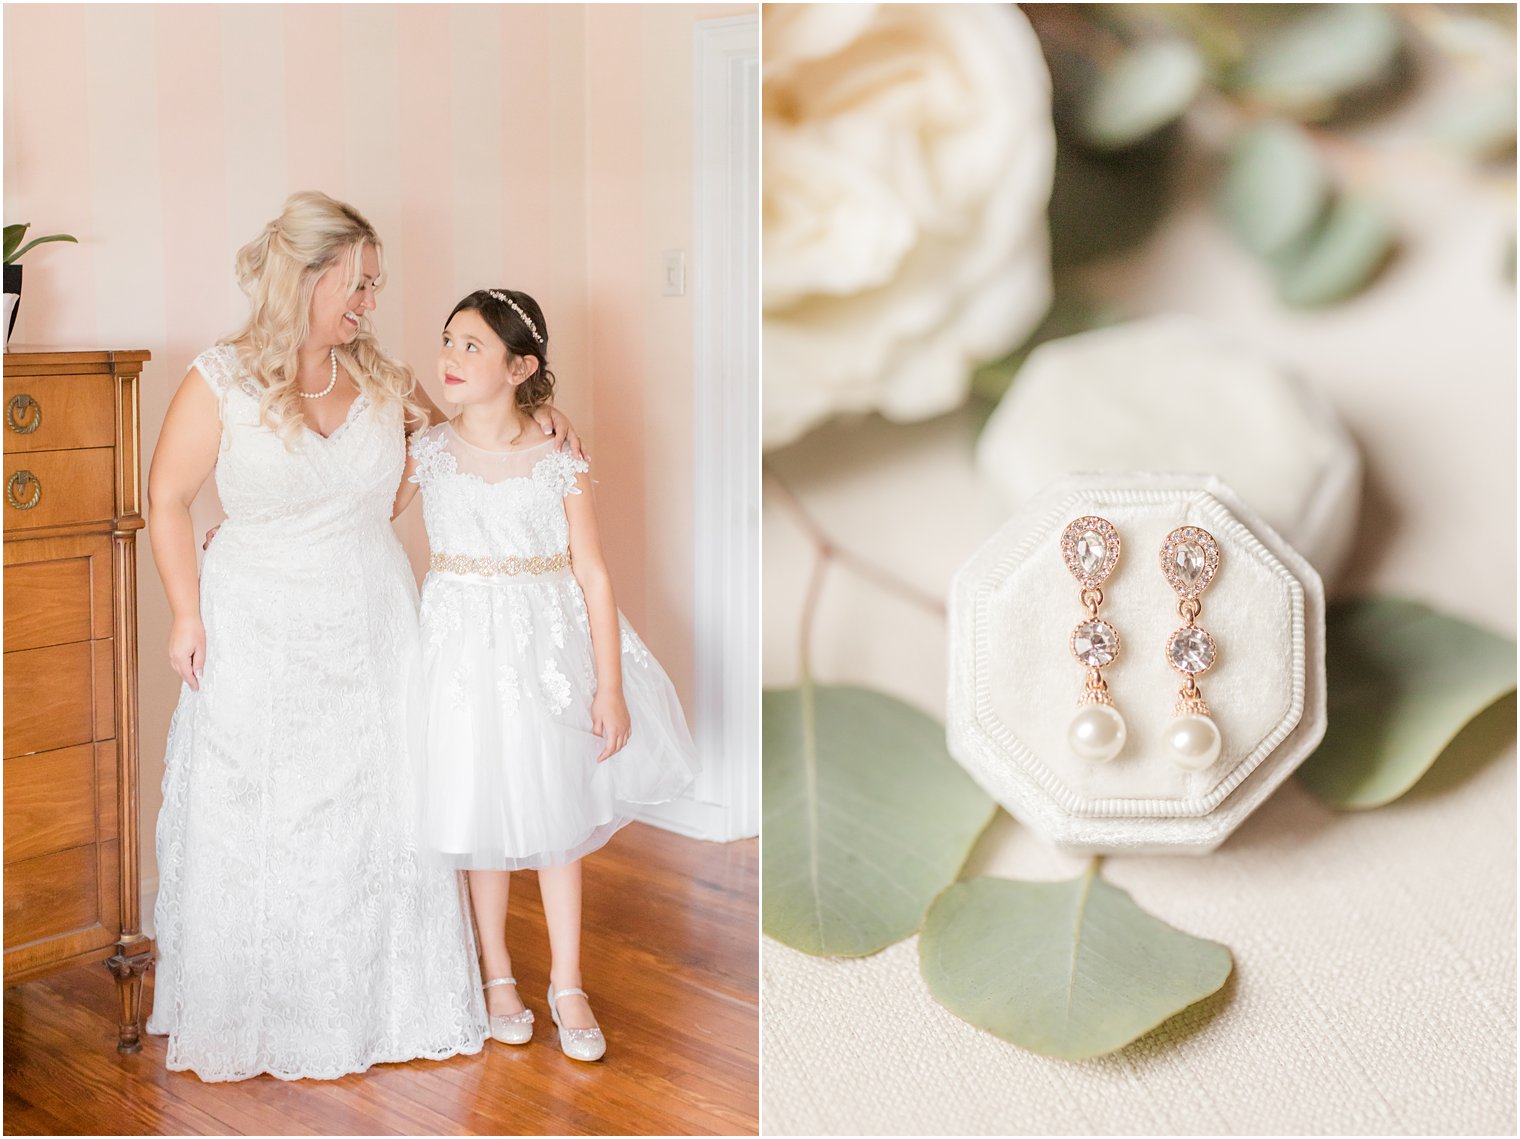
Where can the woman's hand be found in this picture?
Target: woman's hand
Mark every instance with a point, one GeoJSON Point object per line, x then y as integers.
{"type": "Point", "coordinates": [609, 719]}
{"type": "Point", "coordinates": [187, 650]}
{"type": "Point", "coordinates": [554, 422]}
{"type": "Point", "coordinates": [211, 533]}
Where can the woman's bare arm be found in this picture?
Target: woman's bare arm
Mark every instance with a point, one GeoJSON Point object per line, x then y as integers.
{"type": "Point", "coordinates": [182, 462]}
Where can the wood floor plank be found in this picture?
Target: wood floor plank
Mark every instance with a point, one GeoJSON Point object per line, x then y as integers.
{"type": "Point", "coordinates": [670, 947]}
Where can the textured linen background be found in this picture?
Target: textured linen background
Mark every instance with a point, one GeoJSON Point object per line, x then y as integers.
{"type": "Point", "coordinates": [1374, 983]}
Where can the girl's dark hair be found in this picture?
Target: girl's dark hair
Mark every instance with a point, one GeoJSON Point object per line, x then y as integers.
{"type": "Point", "coordinates": [518, 334]}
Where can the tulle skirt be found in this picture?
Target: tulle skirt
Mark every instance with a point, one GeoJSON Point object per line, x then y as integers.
{"type": "Point", "coordinates": [508, 772]}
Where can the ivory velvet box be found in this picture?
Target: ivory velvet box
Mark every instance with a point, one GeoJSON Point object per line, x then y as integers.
{"type": "Point", "coordinates": [1014, 683]}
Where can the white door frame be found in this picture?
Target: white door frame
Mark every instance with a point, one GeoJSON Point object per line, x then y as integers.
{"type": "Point", "coordinates": [724, 803]}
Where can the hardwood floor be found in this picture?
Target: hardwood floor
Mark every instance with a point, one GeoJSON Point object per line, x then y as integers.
{"type": "Point", "coordinates": [671, 963]}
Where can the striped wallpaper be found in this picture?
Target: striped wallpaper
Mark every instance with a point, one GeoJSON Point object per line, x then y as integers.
{"type": "Point", "coordinates": [544, 147]}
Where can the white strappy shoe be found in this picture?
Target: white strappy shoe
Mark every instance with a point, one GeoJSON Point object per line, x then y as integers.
{"type": "Point", "coordinates": [577, 1043]}
{"type": "Point", "coordinates": [512, 1027]}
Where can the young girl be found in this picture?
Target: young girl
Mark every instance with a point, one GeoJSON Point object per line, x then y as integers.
{"type": "Point", "coordinates": [548, 723]}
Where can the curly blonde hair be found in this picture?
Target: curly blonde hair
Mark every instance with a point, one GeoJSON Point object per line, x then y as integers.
{"type": "Point", "coordinates": [278, 270]}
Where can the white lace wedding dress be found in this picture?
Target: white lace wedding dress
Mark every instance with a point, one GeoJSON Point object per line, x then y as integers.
{"type": "Point", "coordinates": [299, 933]}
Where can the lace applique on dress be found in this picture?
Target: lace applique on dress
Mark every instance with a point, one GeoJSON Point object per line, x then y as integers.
{"type": "Point", "coordinates": [558, 469]}
{"type": "Point", "coordinates": [633, 647]}
{"type": "Point", "coordinates": [508, 689]}
{"type": "Point", "coordinates": [433, 458]}
{"type": "Point", "coordinates": [441, 616]}
{"type": "Point", "coordinates": [556, 687]}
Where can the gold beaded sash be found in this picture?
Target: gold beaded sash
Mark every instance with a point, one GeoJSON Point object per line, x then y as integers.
{"type": "Point", "coordinates": [492, 567]}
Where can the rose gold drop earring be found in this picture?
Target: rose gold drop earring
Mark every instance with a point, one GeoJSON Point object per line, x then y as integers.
{"type": "Point", "coordinates": [1090, 547]}
{"type": "Point", "coordinates": [1189, 560]}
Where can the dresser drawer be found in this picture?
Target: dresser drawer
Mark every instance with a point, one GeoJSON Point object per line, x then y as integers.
{"type": "Point", "coordinates": [51, 895]}
{"type": "Point", "coordinates": [50, 801]}
{"type": "Point", "coordinates": [59, 488]}
{"type": "Point", "coordinates": [58, 696]}
{"type": "Point", "coordinates": [57, 590]}
{"type": "Point", "coordinates": [52, 413]}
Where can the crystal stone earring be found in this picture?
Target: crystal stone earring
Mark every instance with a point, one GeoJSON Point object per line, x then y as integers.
{"type": "Point", "coordinates": [1190, 559]}
{"type": "Point", "coordinates": [1090, 547]}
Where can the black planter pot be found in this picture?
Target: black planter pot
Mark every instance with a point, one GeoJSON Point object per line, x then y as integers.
{"type": "Point", "coordinates": [13, 285]}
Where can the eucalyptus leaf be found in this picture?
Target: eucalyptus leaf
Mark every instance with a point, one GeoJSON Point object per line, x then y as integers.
{"type": "Point", "coordinates": [1403, 681]}
{"type": "Point", "coordinates": [1479, 123]}
{"type": "Point", "coordinates": [1338, 257]}
{"type": "Point", "coordinates": [1275, 188]}
{"type": "Point", "coordinates": [866, 818]}
{"type": "Point", "coordinates": [1332, 51]}
{"type": "Point", "coordinates": [1066, 969]}
{"type": "Point", "coordinates": [1149, 86]}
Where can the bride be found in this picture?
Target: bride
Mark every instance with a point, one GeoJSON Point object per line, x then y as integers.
{"type": "Point", "coordinates": [299, 933]}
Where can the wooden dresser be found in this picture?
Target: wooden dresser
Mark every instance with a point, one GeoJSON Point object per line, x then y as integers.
{"type": "Point", "coordinates": [73, 506]}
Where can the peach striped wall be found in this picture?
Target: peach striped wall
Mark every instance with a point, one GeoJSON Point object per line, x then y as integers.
{"type": "Point", "coordinates": [546, 147]}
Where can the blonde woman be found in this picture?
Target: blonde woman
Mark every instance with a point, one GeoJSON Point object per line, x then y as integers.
{"type": "Point", "coordinates": [298, 932]}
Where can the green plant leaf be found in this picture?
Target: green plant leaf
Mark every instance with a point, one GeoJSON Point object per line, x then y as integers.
{"type": "Point", "coordinates": [1149, 86]}
{"type": "Point", "coordinates": [866, 818]}
{"type": "Point", "coordinates": [1275, 187]}
{"type": "Point", "coordinates": [13, 235]}
{"type": "Point", "coordinates": [39, 241]}
{"type": "Point", "coordinates": [1341, 254]}
{"type": "Point", "coordinates": [1101, 202]}
{"type": "Point", "coordinates": [1479, 123]}
{"type": "Point", "coordinates": [1333, 51]}
{"type": "Point", "coordinates": [1403, 680]}
{"type": "Point", "coordinates": [1066, 969]}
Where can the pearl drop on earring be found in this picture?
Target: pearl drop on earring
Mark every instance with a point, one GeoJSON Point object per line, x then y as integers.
{"type": "Point", "coordinates": [1096, 733]}
{"type": "Point", "coordinates": [1192, 742]}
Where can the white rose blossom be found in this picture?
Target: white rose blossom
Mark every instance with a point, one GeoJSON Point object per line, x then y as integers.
{"type": "Point", "coordinates": [908, 156]}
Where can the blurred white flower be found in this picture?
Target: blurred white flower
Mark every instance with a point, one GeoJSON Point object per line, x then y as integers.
{"type": "Point", "coordinates": [908, 154]}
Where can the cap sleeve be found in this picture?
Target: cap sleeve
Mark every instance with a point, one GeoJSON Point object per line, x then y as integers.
{"type": "Point", "coordinates": [219, 367]}
{"type": "Point", "coordinates": [432, 456]}
{"type": "Point", "coordinates": [558, 469]}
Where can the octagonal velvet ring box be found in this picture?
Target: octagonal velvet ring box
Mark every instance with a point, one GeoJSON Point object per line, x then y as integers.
{"type": "Point", "coordinates": [1015, 685]}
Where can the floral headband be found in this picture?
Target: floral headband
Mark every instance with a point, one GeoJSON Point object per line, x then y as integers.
{"type": "Point", "coordinates": [515, 307]}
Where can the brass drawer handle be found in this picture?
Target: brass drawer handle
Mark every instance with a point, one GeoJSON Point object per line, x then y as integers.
{"type": "Point", "coordinates": [16, 410]}
{"type": "Point", "coordinates": [21, 478]}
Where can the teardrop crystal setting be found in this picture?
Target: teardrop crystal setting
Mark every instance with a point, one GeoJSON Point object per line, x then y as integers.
{"type": "Point", "coordinates": [1090, 548]}
{"type": "Point", "coordinates": [1189, 559]}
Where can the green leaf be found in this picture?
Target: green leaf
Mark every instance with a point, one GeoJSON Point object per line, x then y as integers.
{"type": "Point", "coordinates": [1404, 680]}
{"type": "Point", "coordinates": [1333, 51]}
{"type": "Point", "coordinates": [1101, 202]}
{"type": "Point", "coordinates": [1150, 86]}
{"type": "Point", "coordinates": [1338, 257]}
{"type": "Point", "coordinates": [40, 241]}
{"type": "Point", "coordinates": [1275, 188]}
{"type": "Point", "coordinates": [13, 235]}
{"type": "Point", "coordinates": [866, 818]}
{"type": "Point", "coordinates": [1479, 123]}
{"type": "Point", "coordinates": [1066, 969]}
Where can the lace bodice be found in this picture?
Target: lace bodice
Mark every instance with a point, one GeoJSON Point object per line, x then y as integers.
{"type": "Point", "coordinates": [493, 504]}
{"type": "Point", "coordinates": [316, 486]}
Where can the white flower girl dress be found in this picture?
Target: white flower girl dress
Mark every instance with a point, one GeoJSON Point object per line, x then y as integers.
{"type": "Point", "coordinates": [509, 774]}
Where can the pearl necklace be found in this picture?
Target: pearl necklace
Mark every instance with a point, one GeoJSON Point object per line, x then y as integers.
{"type": "Point", "coordinates": [332, 383]}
